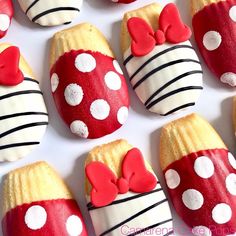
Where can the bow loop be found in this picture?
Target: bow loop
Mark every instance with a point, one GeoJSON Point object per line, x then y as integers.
{"type": "Point", "coordinates": [10, 74]}
{"type": "Point", "coordinates": [171, 30]}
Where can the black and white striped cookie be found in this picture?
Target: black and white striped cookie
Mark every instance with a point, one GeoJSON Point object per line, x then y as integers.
{"type": "Point", "coordinates": [23, 114]}
{"type": "Point", "coordinates": [51, 12]}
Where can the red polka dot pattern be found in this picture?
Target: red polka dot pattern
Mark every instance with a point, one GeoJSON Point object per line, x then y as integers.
{"type": "Point", "coordinates": [6, 14]}
{"type": "Point", "coordinates": [215, 33]}
{"type": "Point", "coordinates": [202, 187]}
{"type": "Point", "coordinates": [90, 93]}
{"type": "Point", "coordinates": [52, 217]}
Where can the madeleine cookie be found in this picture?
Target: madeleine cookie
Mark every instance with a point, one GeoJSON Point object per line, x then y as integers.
{"type": "Point", "coordinates": [88, 85]}
{"type": "Point", "coordinates": [163, 67]}
{"type": "Point", "coordinates": [123, 193]}
{"type": "Point", "coordinates": [51, 12]}
{"type": "Point", "coordinates": [37, 202]}
{"type": "Point", "coordinates": [23, 114]}
{"type": "Point", "coordinates": [6, 14]}
{"type": "Point", "coordinates": [200, 174]}
{"type": "Point", "coordinates": [214, 25]}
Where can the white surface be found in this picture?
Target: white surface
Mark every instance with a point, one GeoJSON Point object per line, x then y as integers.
{"type": "Point", "coordinates": [64, 151]}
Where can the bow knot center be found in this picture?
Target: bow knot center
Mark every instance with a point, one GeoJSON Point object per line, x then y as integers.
{"type": "Point", "coordinates": [160, 37]}
{"type": "Point", "coordinates": [123, 185]}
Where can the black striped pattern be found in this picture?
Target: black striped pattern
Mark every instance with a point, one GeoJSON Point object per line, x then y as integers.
{"type": "Point", "coordinates": [49, 11]}
{"type": "Point", "coordinates": [161, 68]}
{"type": "Point", "coordinates": [134, 216]}
{"type": "Point", "coordinates": [91, 207]}
{"type": "Point", "coordinates": [14, 145]}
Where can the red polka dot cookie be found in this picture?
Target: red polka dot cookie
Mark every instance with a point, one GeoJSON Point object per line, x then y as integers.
{"type": "Point", "coordinates": [37, 202]}
{"type": "Point", "coordinates": [87, 82]}
{"type": "Point", "coordinates": [214, 25]}
{"type": "Point", "coordinates": [6, 14]}
{"type": "Point", "coordinates": [200, 174]}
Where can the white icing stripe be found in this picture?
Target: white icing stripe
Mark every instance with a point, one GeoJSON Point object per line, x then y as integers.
{"type": "Point", "coordinates": [115, 214]}
{"type": "Point", "coordinates": [51, 12]}
{"type": "Point", "coordinates": [23, 120]}
{"type": "Point", "coordinates": [170, 77]}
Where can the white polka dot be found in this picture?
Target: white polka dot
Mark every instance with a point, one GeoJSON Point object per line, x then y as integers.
{"type": "Point", "coordinates": [4, 22]}
{"type": "Point", "coordinates": [74, 226]}
{"type": "Point", "coordinates": [112, 80]}
{"type": "Point", "coordinates": [221, 213]}
{"type": "Point", "coordinates": [85, 62]}
{"type": "Point", "coordinates": [172, 179]}
{"type": "Point", "coordinates": [79, 128]}
{"type": "Point", "coordinates": [192, 199]}
{"type": "Point", "coordinates": [232, 160]}
{"type": "Point", "coordinates": [54, 82]}
{"type": "Point", "coordinates": [122, 115]}
{"type": "Point", "coordinates": [204, 167]}
{"type": "Point", "coordinates": [115, 0]}
{"type": "Point", "coordinates": [232, 13]}
{"type": "Point", "coordinates": [212, 40]}
{"type": "Point", "coordinates": [229, 78]}
{"type": "Point", "coordinates": [100, 109]}
{"type": "Point", "coordinates": [35, 217]}
{"type": "Point", "coordinates": [231, 183]}
{"type": "Point", "coordinates": [117, 67]}
{"type": "Point", "coordinates": [201, 231]}
{"type": "Point", "coordinates": [73, 94]}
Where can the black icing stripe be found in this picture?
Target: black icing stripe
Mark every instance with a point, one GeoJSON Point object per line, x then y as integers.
{"type": "Point", "coordinates": [31, 80]}
{"type": "Point", "coordinates": [133, 217]}
{"type": "Point", "coordinates": [179, 108]}
{"type": "Point", "coordinates": [91, 207]}
{"type": "Point", "coordinates": [158, 55]}
{"type": "Point", "coordinates": [171, 82]}
{"type": "Point", "coordinates": [18, 145]}
{"type": "Point", "coordinates": [128, 59]}
{"type": "Point", "coordinates": [23, 114]}
{"type": "Point", "coordinates": [151, 227]}
{"type": "Point", "coordinates": [22, 127]}
{"type": "Point", "coordinates": [13, 145]}
{"type": "Point", "coordinates": [20, 93]}
{"type": "Point", "coordinates": [31, 5]}
{"type": "Point", "coordinates": [173, 93]}
{"type": "Point", "coordinates": [54, 10]}
{"type": "Point", "coordinates": [163, 67]}
{"type": "Point", "coordinates": [169, 233]}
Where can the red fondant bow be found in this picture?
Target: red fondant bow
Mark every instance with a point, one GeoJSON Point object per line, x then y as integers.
{"type": "Point", "coordinates": [10, 74]}
{"type": "Point", "coordinates": [106, 186]}
{"type": "Point", "coordinates": [171, 30]}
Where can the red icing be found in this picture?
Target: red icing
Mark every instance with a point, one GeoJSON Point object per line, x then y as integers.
{"type": "Point", "coordinates": [215, 17]}
{"type": "Point", "coordinates": [10, 74]}
{"type": "Point", "coordinates": [213, 190]}
{"type": "Point", "coordinates": [6, 7]}
{"type": "Point", "coordinates": [94, 87]}
{"type": "Point", "coordinates": [106, 186]}
{"type": "Point", "coordinates": [58, 211]}
{"type": "Point", "coordinates": [171, 29]}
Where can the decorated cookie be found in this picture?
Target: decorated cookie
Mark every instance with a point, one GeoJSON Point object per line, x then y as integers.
{"type": "Point", "coordinates": [200, 174]}
{"type": "Point", "coordinates": [214, 25]}
{"type": "Point", "coordinates": [36, 202]}
{"type": "Point", "coordinates": [124, 195]}
{"type": "Point", "coordinates": [51, 12]}
{"type": "Point", "coordinates": [88, 85]}
{"type": "Point", "coordinates": [6, 14]}
{"type": "Point", "coordinates": [163, 67]}
{"type": "Point", "coordinates": [23, 115]}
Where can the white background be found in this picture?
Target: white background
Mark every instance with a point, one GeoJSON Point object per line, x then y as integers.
{"type": "Point", "coordinates": [65, 152]}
